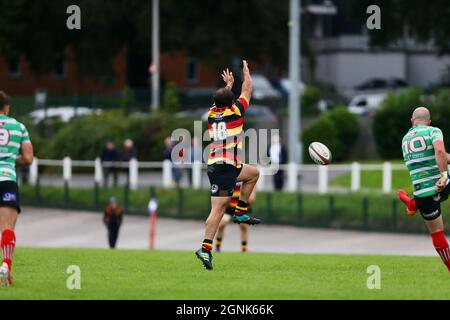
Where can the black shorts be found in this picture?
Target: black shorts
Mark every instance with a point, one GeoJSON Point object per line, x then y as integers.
{"type": "Point", "coordinates": [223, 179]}
{"type": "Point", "coordinates": [9, 195]}
{"type": "Point", "coordinates": [430, 207]}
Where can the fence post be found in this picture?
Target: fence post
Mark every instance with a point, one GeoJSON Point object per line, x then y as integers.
{"type": "Point", "coordinates": [292, 182]}
{"type": "Point", "coordinates": [98, 172]}
{"type": "Point", "coordinates": [356, 177]}
{"type": "Point", "coordinates": [387, 177]}
{"type": "Point", "coordinates": [66, 194]}
{"type": "Point", "coordinates": [197, 174]}
{"type": "Point", "coordinates": [34, 171]}
{"type": "Point", "coordinates": [134, 174]}
{"type": "Point", "coordinates": [167, 174]}
{"type": "Point", "coordinates": [323, 179]}
{"type": "Point", "coordinates": [67, 169]}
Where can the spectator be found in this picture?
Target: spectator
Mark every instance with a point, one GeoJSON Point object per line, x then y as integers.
{"type": "Point", "coordinates": [167, 155]}
{"type": "Point", "coordinates": [113, 220]}
{"type": "Point", "coordinates": [109, 158]}
{"type": "Point", "coordinates": [129, 152]}
{"type": "Point", "coordinates": [278, 156]}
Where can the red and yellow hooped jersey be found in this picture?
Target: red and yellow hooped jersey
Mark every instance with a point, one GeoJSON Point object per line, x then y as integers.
{"type": "Point", "coordinates": [226, 127]}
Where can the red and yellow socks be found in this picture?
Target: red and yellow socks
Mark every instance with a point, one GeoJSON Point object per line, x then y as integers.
{"type": "Point", "coordinates": [207, 245]}
{"type": "Point", "coordinates": [8, 244]}
{"type": "Point", "coordinates": [241, 208]}
{"type": "Point", "coordinates": [442, 248]}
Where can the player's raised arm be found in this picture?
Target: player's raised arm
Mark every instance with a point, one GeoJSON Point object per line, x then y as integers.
{"type": "Point", "coordinates": [247, 85]}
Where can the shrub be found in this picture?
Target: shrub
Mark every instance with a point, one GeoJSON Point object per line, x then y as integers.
{"type": "Point", "coordinates": [391, 121]}
{"type": "Point", "coordinates": [309, 101]}
{"type": "Point", "coordinates": [347, 127]}
{"type": "Point", "coordinates": [84, 138]}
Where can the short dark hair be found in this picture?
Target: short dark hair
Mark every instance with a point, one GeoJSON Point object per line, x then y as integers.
{"type": "Point", "coordinates": [4, 100]}
{"type": "Point", "coordinates": [223, 98]}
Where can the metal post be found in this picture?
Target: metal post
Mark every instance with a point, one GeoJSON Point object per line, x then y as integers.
{"type": "Point", "coordinates": [98, 171]}
{"type": "Point", "coordinates": [295, 148]}
{"type": "Point", "coordinates": [387, 177]}
{"type": "Point", "coordinates": [356, 177]}
{"type": "Point", "coordinates": [156, 58]}
{"type": "Point", "coordinates": [323, 179]}
{"type": "Point", "coordinates": [67, 169]}
{"type": "Point", "coordinates": [134, 174]}
{"type": "Point", "coordinates": [167, 174]}
{"type": "Point", "coordinates": [34, 171]}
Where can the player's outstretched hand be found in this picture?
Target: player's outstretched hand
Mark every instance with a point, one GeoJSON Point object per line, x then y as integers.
{"type": "Point", "coordinates": [228, 78]}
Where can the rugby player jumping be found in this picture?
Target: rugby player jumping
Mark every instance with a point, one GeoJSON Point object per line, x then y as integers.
{"type": "Point", "coordinates": [225, 125]}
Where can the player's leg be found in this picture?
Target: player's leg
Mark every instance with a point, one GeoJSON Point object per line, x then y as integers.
{"type": "Point", "coordinates": [430, 208]}
{"type": "Point", "coordinates": [436, 228]}
{"type": "Point", "coordinates": [218, 206]}
{"type": "Point", "coordinates": [8, 219]}
{"type": "Point", "coordinates": [249, 177]}
{"type": "Point", "coordinates": [244, 237]}
{"type": "Point", "coordinates": [410, 203]}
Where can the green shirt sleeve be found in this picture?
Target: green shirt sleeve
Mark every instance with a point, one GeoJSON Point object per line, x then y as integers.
{"type": "Point", "coordinates": [25, 135]}
{"type": "Point", "coordinates": [436, 135]}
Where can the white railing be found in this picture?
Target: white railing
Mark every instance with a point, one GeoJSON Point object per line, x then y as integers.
{"type": "Point", "coordinates": [311, 178]}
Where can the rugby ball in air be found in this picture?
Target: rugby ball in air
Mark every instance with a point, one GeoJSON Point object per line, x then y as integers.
{"type": "Point", "coordinates": [320, 154]}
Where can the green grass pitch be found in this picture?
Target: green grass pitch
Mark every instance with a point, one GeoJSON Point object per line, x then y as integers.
{"type": "Point", "coordinates": [42, 274]}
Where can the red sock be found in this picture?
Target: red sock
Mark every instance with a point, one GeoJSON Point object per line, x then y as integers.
{"type": "Point", "coordinates": [441, 245]}
{"type": "Point", "coordinates": [8, 244]}
{"type": "Point", "coordinates": [241, 208]}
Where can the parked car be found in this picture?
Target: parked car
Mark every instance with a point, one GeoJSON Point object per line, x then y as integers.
{"type": "Point", "coordinates": [284, 86]}
{"type": "Point", "coordinates": [263, 89]}
{"type": "Point", "coordinates": [382, 84]}
{"type": "Point", "coordinates": [64, 114]}
{"type": "Point", "coordinates": [366, 103]}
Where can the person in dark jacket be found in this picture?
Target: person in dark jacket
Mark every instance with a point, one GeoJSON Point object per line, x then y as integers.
{"type": "Point", "coordinates": [109, 158]}
{"type": "Point", "coordinates": [113, 218]}
{"type": "Point", "coordinates": [278, 155]}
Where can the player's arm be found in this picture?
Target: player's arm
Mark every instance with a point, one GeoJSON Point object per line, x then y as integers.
{"type": "Point", "coordinates": [26, 157]}
{"type": "Point", "coordinates": [442, 162]}
{"type": "Point", "coordinates": [247, 85]}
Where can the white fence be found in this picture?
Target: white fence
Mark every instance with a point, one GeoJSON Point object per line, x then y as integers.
{"type": "Point", "coordinates": [310, 178]}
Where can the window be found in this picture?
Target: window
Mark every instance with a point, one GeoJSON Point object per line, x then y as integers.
{"type": "Point", "coordinates": [192, 70]}
{"type": "Point", "coordinates": [14, 69]}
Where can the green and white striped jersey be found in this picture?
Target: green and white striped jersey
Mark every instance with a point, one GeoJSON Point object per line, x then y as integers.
{"type": "Point", "coordinates": [13, 135]}
{"type": "Point", "coordinates": [418, 153]}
